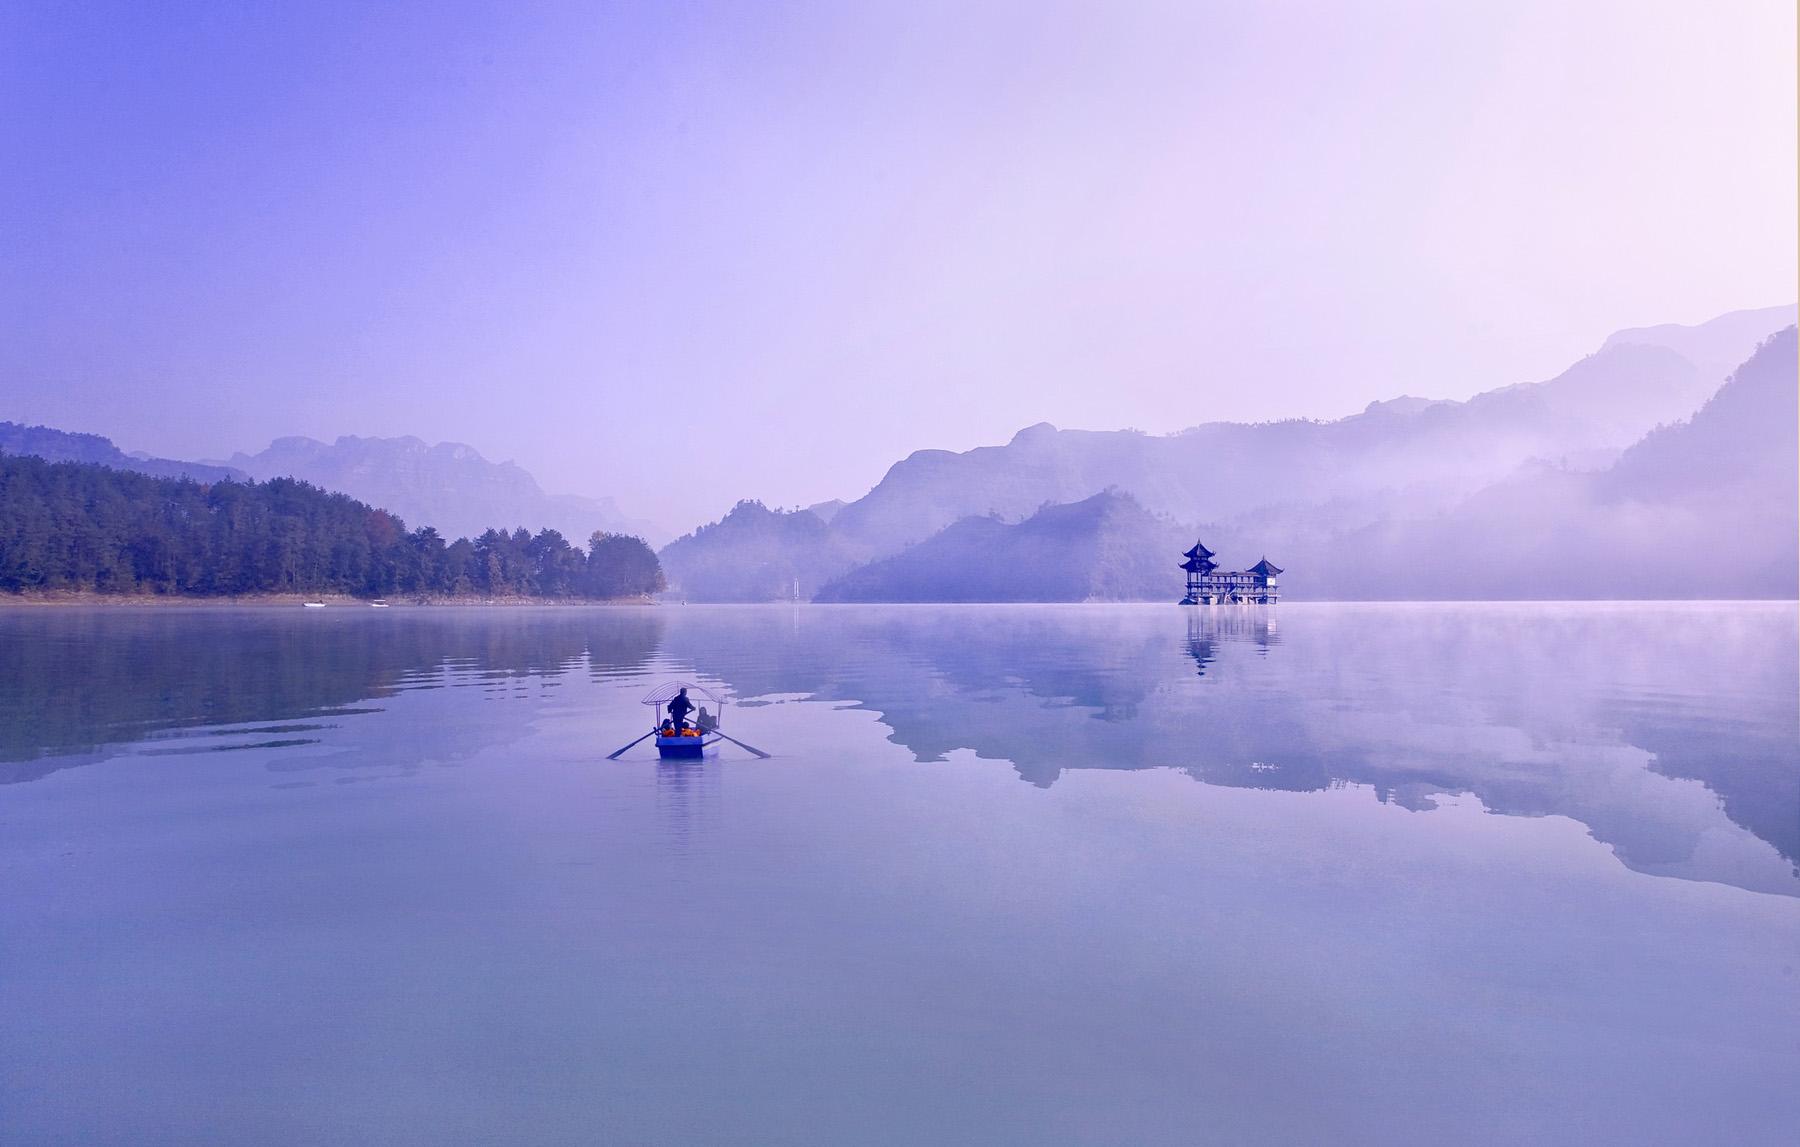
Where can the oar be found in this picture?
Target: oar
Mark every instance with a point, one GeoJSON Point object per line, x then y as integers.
{"type": "Point", "coordinates": [741, 745]}
{"type": "Point", "coordinates": [614, 755]}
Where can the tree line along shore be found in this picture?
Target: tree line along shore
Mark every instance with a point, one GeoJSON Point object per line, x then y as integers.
{"type": "Point", "coordinates": [72, 531]}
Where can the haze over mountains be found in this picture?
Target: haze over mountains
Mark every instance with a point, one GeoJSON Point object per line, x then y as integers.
{"type": "Point", "coordinates": [62, 446]}
{"type": "Point", "coordinates": [1633, 473]}
{"type": "Point", "coordinates": [1316, 496]}
{"type": "Point", "coordinates": [449, 486]}
{"type": "Point", "coordinates": [1707, 507]}
{"type": "Point", "coordinates": [1421, 454]}
{"type": "Point", "coordinates": [1103, 548]}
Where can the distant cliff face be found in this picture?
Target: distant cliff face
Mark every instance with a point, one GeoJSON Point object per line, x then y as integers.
{"type": "Point", "coordinates": [449, 486]}
{"type": "Point", "coordinates": [63, 446]}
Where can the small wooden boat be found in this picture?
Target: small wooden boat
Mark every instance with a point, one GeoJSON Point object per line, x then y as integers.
{"type": "Point", "coordinates": [695, 737]}
{"type": "Point", "coordinates": [689, 741]}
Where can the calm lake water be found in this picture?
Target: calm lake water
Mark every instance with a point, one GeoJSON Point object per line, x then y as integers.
{"type": "Point", "coordinates": [1061, 874]}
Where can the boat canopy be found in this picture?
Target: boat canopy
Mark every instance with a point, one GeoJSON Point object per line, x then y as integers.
{"type": "Point", "coordinates": [663, 694]}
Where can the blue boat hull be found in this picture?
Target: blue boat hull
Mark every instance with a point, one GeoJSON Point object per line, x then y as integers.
{"type": "Point", "coordinates": [686, 748]}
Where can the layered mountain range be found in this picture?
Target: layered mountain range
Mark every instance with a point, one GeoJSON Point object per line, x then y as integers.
{"type": "Point", "coordinates": [1103, 548]}
{"type": "Point", "coordinates": [1396, 501]}
{"type": "Point", "coordinates": [449, 486]}
{"type": "Point", "coordinates": [1707, 507]}
{"type": "Point", "coordinates": [1636, 472]}
{"type": "Point", "coordinates": [62, 446]}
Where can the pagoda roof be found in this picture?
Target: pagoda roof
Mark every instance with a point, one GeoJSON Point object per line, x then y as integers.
{"type": "Point", "coordinates": [1199, 551]}
{"type": "Point", "coordinates": [1199, 564]}
{"type": "Point", "coordinates": [1266, 568]}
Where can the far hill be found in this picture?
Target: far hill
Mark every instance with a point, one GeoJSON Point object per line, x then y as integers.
{"type": "Point", "coordinates": [1706, 508]}
{"type": "Point", "coordinates": [1716, 347]}
{"type": "Point", "coordinates": [1308, 493]}
{"type": "Point", "coordinates": [1408, 456]}
{"type": "Point", "coordinates": [449, 486]}
{"type": "Point", "coordinates": [62, 446]}
{"type": "Point", "coordinates": [1104, 548]}
{"type": "Point", "coordinates": [754, 553]}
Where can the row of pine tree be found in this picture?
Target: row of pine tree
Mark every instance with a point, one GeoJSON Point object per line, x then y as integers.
{"type": "Point", "coordinates": [78, 526]}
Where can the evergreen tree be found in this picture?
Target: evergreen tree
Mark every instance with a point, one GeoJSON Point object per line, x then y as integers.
{"type": "Point", "coordinates": [619, 565]}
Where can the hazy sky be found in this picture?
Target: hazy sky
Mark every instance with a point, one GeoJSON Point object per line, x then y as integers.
{"type": "Point", "coordinates": [687, 253]}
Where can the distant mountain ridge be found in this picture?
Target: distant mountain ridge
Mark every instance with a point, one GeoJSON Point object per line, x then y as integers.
{"type": "Point", "coordinates": [448, 485]}
{"type": "Point", "coordinates": [754, 553]}
{"type": "Point", "coordinates": [64, 446]}
{"type": "Point", "coordinates": [1103, 548]}
{"type": "Point", "coordinates": [1427, 454]}
{"type": "Point", "coordinates": [1717, 347]}
{"type": "Point", "coordinates": [1306, 493]}
{"type": "Point", "coordinates": [1706, 508]}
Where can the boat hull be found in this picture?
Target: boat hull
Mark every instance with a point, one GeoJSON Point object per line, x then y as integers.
{"type": "Point", "coordinates": [684, 748]}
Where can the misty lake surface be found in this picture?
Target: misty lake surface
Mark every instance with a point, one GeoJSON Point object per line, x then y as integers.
{"type": "Point", "coordinates": [1036, 874]}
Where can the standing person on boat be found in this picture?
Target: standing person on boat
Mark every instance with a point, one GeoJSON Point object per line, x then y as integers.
{"type": "Point", "coordinates": [679, 708]}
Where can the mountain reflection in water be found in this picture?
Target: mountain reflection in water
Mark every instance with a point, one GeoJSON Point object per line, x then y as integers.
{"type": "Point", "coordinates": [1669, 730]}
{"type": "Point", "coordinates": [1665, 728]}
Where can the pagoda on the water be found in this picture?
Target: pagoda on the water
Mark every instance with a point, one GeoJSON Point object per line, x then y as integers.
{"type": "Point", "coordinates": [1207, 584]}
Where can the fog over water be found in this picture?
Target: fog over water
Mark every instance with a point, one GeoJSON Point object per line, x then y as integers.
{"type": "Point", "coordinates": [1068, 874]}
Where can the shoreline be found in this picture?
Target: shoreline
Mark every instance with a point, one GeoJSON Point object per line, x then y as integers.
{"type": "Point", "coordinates": [74, 598]}
{"type": "Point", "coordinates": [62, 598]}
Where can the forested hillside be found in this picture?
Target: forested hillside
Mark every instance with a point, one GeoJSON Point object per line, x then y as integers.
{"type": "Point", "coordinates": [77, 526]}
{"type": "Point", "coordinates": [754, 553]}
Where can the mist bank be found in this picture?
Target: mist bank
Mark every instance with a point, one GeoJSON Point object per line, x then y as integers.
{"type": "Point", "coordinates": [1706, 508]}
{"type": "Point", "coordinates": [1633, 474]}
{"type": "Point", "coordinates": [448, 486]}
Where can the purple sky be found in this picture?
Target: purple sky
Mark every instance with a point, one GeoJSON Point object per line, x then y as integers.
{"type": "Point", "coordinates": [831, 234]}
